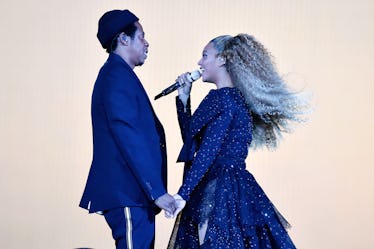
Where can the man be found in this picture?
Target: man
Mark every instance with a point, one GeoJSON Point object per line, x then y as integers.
{"type": "Point", "coordinates": [127, 179]}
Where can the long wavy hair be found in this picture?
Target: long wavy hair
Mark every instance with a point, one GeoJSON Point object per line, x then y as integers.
{"type": "Point", "coordinates": [273, 106]}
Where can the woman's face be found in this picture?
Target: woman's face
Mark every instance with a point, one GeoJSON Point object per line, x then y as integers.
{"type": "Point", "coordinates": [209, 64]}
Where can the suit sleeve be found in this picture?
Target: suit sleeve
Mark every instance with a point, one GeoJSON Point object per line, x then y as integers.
{"type": "Point", "coordinates": [210, 146]}
{"type": "Point", "coordinates": [142, 154]}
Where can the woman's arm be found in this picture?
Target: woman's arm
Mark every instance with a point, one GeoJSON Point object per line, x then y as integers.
{"type": "Point", "coordinates": [211, 144]}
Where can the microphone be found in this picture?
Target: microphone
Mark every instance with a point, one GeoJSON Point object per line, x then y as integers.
{"type": "Point", "coordinates": [191, 77]}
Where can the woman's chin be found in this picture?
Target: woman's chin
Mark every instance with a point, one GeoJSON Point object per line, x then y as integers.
{"type": "Point", "coordinates": [205, 79]}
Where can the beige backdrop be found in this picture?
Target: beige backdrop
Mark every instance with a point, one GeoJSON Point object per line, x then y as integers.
{"type": "Point", "coordinates": [320, 178]}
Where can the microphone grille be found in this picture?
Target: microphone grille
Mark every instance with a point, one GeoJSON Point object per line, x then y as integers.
{"type": "Point", "coordinates": [195, 75]}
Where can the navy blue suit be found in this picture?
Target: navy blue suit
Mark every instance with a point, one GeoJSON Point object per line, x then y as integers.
{"type": "Point", "coordinates": [129, 152]}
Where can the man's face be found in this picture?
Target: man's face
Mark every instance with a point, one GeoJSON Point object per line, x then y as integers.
{"type": "Point", "coordinates": [137, 47]}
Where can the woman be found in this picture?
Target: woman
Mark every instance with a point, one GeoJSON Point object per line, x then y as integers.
{"type": "Point", "coordinates": [226, 208]}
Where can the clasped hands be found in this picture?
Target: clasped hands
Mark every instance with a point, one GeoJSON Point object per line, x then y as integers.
{"type": "Point", "coordinates": [172, 205]}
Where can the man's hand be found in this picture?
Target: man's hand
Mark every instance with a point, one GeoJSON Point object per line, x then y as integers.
{"type": "Point", "coordinates": [166, 202]}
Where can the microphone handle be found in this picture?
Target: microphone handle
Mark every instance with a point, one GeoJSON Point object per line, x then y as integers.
{"type": "Point", "coordinates": [191, 77]}
{"type": "Point", "coordinates": [168, 90]}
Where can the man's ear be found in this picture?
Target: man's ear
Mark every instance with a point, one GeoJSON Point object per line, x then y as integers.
{"type": "Point", "coordinates": [123, 38]}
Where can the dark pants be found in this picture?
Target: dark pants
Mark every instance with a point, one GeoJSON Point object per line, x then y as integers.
{"type": "Point", "coordinates": [132, 227]}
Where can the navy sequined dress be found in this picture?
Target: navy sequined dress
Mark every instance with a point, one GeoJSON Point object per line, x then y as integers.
{"type": "Point", "coordinates": [218, 188]}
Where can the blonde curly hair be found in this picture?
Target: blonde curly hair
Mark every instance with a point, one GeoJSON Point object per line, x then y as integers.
{"type": "Point", "coordinates": [267, 96]}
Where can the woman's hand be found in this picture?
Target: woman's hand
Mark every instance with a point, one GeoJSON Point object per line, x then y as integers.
{"type": "Point", "coordinates": [186, 84]}
{"type": "Point", "coordinates": [184, 91]}
{"type": "Point", "coordinates": [179, 205]}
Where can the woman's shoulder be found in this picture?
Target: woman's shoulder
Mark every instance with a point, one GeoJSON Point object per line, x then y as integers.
{"type": "Point", "coordinates": [211, 100]}
{"type": "Point", "coordinates": [221, 100]}
{"type": "Point", "coordinates": [222, 94]}
{"type": "Point", "coordinates": [230, 98]}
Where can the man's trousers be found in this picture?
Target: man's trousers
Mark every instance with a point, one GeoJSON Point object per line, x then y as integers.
{"type": "Point", "coordinates": [132, 227]}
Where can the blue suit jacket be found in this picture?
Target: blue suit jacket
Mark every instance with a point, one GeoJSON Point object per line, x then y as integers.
{"type": "Point", "coordinates": [129, 150]}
